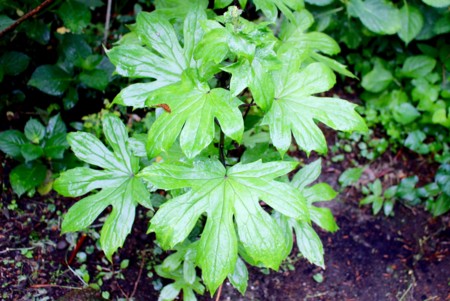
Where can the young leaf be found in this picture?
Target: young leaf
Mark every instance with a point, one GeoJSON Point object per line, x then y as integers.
{"type": "Point", "coordinates": [194, 106]}
{"type": "Point", "coordinates": [34, 131]}
{"type": "Point", "coordinates": [119, 186]}
{"type": "Point", "coordinates": [294, 109]}
{"type": "Point", "coordinates": [308, 174]}
{"type": "Point", "coordinates": [224, 194]}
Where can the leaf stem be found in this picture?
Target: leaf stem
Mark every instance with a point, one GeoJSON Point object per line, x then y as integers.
{"type": "Point", "coordinates": [219, 292]}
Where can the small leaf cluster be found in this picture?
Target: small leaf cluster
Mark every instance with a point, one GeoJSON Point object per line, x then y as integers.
{"type": "Point", "coordinates": [36, 148]}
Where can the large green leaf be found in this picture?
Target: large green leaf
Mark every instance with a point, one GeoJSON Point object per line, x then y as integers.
{"type": "Point", "coordinates": [161, 58]}
{"type": "Point", "coordinates": [193, 108]}
{"type": "Point", "coordinates": [120, 187]}
{"type": "Point", "coordinates": [294, 109]}
{"type": "Point", "coordinates": [50, 79]}
{"type": "Point", "coordinates": [379, 16]}
{"type": "Point", "coordinates": [228, 197]}
{"type": "Point", "coordinates": [412, 22]}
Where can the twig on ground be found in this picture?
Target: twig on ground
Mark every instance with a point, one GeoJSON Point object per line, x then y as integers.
{"type": "Point", "coordinates": [25, 17]}
{"type": "Point", "coordinates": [55, 285]}
{"type": "Point", "coordinates": [139, 276]}
{"type": "Point", "coordinates": [219, 292]}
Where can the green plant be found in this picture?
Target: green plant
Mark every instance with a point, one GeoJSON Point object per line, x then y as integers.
{"type": "Point", "coordinates": [40, 150]}
{"type": "Point", "coordinates": [378, 198]}
{"type": "Point", "coordinates": [220, 212]}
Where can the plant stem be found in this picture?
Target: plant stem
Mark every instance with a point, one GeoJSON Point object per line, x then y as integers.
{"type": "Point", "coordinates": [25, 17]}
{"type": "Point", "coordinates": [107, 22]}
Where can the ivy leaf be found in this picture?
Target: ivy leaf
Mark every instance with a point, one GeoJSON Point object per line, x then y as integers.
{"type": "Point", "coordinates": [193, 108]}
{"type": "Point", "coordinates": [119, 187]}
{"type": "Point", "coordinates": [294, 109]}
{"type": "Point", "coordinates": [229, 197]}
{"type": "Point", "coordinates": [161, 58]}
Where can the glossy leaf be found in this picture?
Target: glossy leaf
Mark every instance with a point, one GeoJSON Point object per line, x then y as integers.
{"type": "Point", "coordinates": [294, 109]}
{"type": "Point", "coordinates": [50, 79]}
{"type": "Point", "coordinates": [119, 186]}
{"type": "Point", "coordinates": [34, 130]}
{"type": "Point", "coordinates": [308, 174]}
{"type": "Point", "coordinates": [11, 142]}
{"type": "Point", "coordinates": [443, 178]}
{"type": "Point", "coordinates": [224, 194]}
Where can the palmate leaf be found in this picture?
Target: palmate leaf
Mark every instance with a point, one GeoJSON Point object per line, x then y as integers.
{"type": "Point", "coordinates": [295, 110]}
{"type": "Point", "coordinates": [119, 186]}
{"type": "Point", "coordinates": [229, 197]}
{"type": "Point", "coordinates": [161, 57]}
{"type": "Point", "coordinates": [193, 107]}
